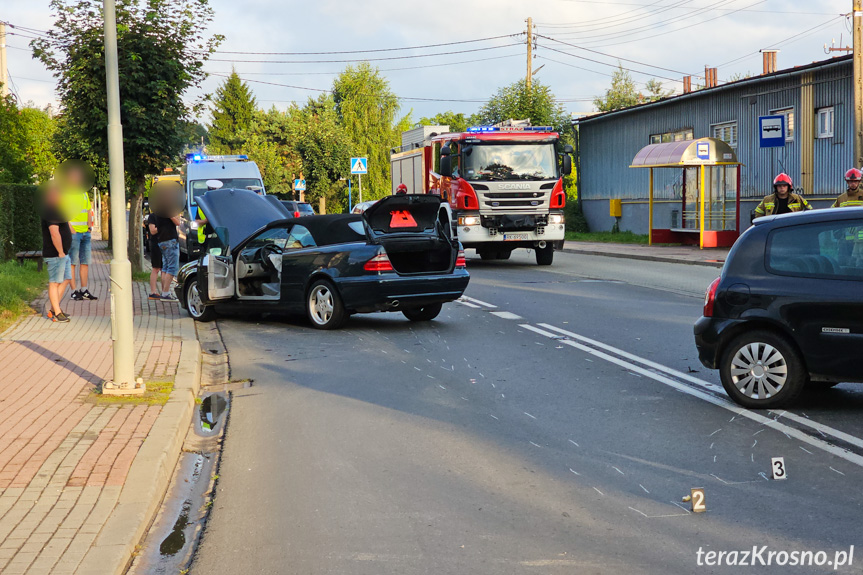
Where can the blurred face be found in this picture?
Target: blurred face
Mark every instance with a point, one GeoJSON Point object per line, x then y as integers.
{"type": "Point", "coordinates": [782, 190]}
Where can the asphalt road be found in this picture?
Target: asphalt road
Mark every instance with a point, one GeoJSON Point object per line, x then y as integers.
{"type": "Point", "coordinates": [551, 423]}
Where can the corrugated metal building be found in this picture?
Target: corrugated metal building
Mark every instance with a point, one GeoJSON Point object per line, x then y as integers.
{"type": "Point", "coordinates": [817, 100]}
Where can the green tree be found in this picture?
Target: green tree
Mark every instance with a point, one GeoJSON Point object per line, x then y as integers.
{"type": "Point", "coordinates": [162, 47]}
{"type": "Point", "coordinates": [623, 92]}
{"type": "Point", "coordinates": [517, 102]}
{"type": "Point", "coordinates": [14, 167]}
{"type": "Point", "coordinates": [270, 144]}
{"type": "Point", "coordinates": [39, 128]}
{"type": "Point", "coordinates": [457, 122]}
{"type": "Point", "coordinates": [367, 111]}
{"type": "Point", "coordinates": [234, 109]}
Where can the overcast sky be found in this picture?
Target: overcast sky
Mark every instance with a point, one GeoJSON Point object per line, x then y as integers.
{"type": "Point", "coordinates": [666, 38]}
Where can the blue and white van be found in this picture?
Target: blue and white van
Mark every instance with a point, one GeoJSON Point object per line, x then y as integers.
{"type": "Point", "coordinates": [235, 171]}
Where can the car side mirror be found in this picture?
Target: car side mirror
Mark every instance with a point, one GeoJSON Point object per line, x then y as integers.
{"type": "Point", "coordinates": [567, 149]}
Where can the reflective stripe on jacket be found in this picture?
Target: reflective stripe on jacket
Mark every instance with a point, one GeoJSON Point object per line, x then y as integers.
{"type": "Point", "coordinates": [796, 203]}
{"type": "Point", "coordinates": [849, 199]}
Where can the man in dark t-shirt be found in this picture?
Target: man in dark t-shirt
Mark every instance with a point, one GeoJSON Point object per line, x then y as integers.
{"type": "Point", "coordinates": [155, 255]}
{"type": "Point", "coordinates": [169, 246]}
{"type": "Point", "coordinates": [56, 241]}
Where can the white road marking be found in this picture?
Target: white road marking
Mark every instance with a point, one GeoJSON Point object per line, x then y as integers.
{"type": "Point", "coordinates": [754, 444]}
{"type": "Point", "coordinates": [574, 443]}
{"type": "Point", "coordinates": [468, 304]}
{"type": "Point", "coordinates": [430, 376]}
{"type": "Point", "coordinates": [536, 444]}
{"type": "Point", "coordinates": [529, 415]}
{"type": "Point", "coordinates": [600, 492]}
{"type": "Point", "coordinates": [618, 470]}
{"type": "Point", "coordinates": [506, 315]}
{"type": "Point", "coordinates": [440, 386]}
{"type": "Point", "coordinates": [837, 471]}
{"type": "Point", "coordinates": [757, 432]}
{"type": "Point", "coordinates": [643, 487]}
{"type": "Point", "coordinates": [494, 416]}
{"type": "Point", "coordinates": [478, 301]}
{"type": "Point", "coordinates": [416, 368]}
{"type": "Point", "coordinates": [715, 432]}
{"type": "Point", "coordinates": [710, 397]}
{"type": "Point", "coordinates": [804, 449]}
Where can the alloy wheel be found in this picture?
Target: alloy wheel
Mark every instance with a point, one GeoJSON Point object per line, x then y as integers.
{"type": "Point", "coordinates": [759, 370]}
{"type": "Point", "coordinates": [321, 304]}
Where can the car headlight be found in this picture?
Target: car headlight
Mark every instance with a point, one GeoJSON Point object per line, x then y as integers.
{"type": "Point", "coordinates": [193, 225]}
{"type": "Point", "coordinates": [468, 220]}
{"type": "Point", "coordinates": [555, 218]}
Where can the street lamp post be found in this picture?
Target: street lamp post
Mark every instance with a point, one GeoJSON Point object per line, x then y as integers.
{"type": "Point", "coordinates": [124, 382]}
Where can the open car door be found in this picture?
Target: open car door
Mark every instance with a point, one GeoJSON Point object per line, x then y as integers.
{"type": "Point", "coordinates": [217, 268]}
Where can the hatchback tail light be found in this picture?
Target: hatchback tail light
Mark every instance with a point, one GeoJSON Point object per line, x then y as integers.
{"type": "Point", "coordinates": [296, 214]}
{"type": "Point", "coordinates": [379, 263]}
{"type": "Point", "coordinates": [710, 298]}
{"type": "Point", "coordinates": [460, 260]}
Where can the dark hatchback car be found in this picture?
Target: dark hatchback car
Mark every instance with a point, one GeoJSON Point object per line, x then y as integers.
{"type": "Point", "coordinates": [298, 209]}
{"type": "Point", "coordinates": [787, 311]}
{"type": "Point", "coordinates": [398, 257]}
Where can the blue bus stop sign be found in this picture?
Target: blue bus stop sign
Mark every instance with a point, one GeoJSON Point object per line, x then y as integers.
{"type": "Point", "coordinates": [771, 131]}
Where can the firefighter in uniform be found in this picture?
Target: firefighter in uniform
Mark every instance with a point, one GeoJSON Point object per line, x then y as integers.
{"type": "Point", "coordinates": [853, 195]}
{"type": "Point", "coordinates": [782, 200]}
{"type": "Point", "coordinates": [851, 249]}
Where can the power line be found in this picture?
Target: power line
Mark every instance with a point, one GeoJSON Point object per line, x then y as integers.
{"type": "Point", "coordinates": [619, 17]}
{"type": "Point", "coordinates": [408, 57]}
{"type": "Point", "coordinates": [610, 55]}
{"type": "Point", "coordinates": [607, 64]}
{"type": "Point", "coordinates": [323, 91]}
{"type": "Point", "coordinates": [372, 50]}
{"type": "Point", "coordinates": [605, 3]}
{"type": "Point", "coordinates": [380, 70]}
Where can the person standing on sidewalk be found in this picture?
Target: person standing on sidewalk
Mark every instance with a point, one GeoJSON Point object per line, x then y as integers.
{"type": "Point", "coordinates": [169, 245]}
{"type": "Point", "coordinates": [79, 253]}
{"type": "Point", "coordinates": [155, 256]}
{"type": "Point", "coordinates": [56, 241]}
{"type": "Point", "coordinates": [853, 196]}
{"type": "Point", "coordinates": [782, 200]}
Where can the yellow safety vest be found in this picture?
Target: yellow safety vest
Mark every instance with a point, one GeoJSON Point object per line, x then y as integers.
{"type": "Point", "coordinates": [80, 207]}
{"type": "Point", "coordinates": [202, 237]}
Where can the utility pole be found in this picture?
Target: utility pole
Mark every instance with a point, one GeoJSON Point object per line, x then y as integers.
{"type": "Point", "coordinates": [858, 82]}
{"type": "Point", "coordinates": [4, 73]}
{"type": "Point", "coordinates": [528, 78]}
{"type": "Point", "coordinates": [124, 382]}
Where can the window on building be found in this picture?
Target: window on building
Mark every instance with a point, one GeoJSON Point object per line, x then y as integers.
{"type": "Point", "coordinates": [789, 121]}
{"type": "Point", "coordinates": [825, 122]}
{"type": "Point", "coordinates": [677, 136]}
{"type": "Point", "coordinates": [727, 132]}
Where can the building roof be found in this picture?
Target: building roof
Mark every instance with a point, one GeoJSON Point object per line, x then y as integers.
{"type": "Point", "coordinates": [728, 86]}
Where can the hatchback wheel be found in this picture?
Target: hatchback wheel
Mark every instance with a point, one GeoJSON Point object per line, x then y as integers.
{"type": "Point", "coordinates": [762, 370]}
{"type": "Point", "coordinates": [324, 306]}
{"type": "Point", "coordinates": [195, 305]}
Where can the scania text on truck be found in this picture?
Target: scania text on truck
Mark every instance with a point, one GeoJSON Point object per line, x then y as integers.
{"type": "Point", "coordinates": [504, 184]}
{"type": "Point", "coordinates": [203, 172]}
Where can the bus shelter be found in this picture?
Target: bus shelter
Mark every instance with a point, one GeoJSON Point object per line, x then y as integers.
{"type": "Point", "coordinates": [709, 191]}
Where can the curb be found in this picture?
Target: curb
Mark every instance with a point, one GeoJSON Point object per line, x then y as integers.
{"type": "Point", "coordinates": [662, 259]}
{"type": "Point", "coordinates": [150, 474]}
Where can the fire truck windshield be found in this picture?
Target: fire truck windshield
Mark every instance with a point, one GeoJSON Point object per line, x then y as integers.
{"type": "Point", "coordinates": [487, 162]}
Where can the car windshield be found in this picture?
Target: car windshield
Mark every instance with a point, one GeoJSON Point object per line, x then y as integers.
{"type": "Point", "coordinates": [486, 162]}
{"type": "Point", "coordinates": [199, 187]}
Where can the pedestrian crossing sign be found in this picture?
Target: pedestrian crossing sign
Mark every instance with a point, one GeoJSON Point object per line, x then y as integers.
{"type": "Point", "coordinates": [359, 165]}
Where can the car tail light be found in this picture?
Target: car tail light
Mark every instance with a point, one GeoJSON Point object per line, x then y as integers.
{"type": "Point", "coordinates": [710, 298]}
{"type": "Point", "coordinates": [460, 260]}
{"type": "Point", "coordinates": [296, 214]}
{"type": "Point", "coordinates": [379, 263]}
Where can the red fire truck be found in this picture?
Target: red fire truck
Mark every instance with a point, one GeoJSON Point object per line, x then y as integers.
{"type": "Point", "coordinates": [504, 184]}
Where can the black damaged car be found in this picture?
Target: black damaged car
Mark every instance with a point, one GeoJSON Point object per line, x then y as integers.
{"type": "Point", "coordinates": [398, 256]}
{"type": "Point", "coordinates": [787, 311]}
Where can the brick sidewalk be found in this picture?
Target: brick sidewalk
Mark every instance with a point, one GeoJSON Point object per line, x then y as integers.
{"type": "Point", "coordinates": [63, 461]}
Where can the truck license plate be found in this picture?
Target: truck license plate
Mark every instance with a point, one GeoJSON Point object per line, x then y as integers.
{"type": "Point", "coordinates": [514, 237]}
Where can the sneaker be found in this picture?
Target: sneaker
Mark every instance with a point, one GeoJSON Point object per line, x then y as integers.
{"type": "Point", "coordinates": [59, 317]}
{"type": "Point", "coordinates": [170, 297]}
{"type": "Point", "coordinates": [77, 295]}
{"type": "Point", "coordinates": [87, 295]}
{"type": "Point", "coordinates": [154, 296]}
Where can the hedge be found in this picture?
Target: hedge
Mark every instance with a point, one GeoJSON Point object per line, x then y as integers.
{"type": "Point", "coordinates": [19, 219]}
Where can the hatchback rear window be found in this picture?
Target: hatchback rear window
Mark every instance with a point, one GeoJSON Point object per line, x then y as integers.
{"type": "Point", "coordinates": [823, 250]}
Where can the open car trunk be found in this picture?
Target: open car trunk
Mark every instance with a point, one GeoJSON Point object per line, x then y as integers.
{"type": "Point", "coordinates": [410, 230]}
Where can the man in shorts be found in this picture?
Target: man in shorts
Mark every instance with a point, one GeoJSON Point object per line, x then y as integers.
{"type": "Point", "coordinates": [155, 256]}
{"type": "Point", "coordinates": [170, 248]}
{"type": "Point", "coordinates": [56, 241]}
{"type": "Point", "coordinates": [79, 253]}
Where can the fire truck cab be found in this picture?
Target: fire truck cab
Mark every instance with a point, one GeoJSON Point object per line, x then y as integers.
{"type": "Point", "coordinates": [504, 185]}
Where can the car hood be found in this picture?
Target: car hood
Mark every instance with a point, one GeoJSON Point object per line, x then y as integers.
{"type": "Point", "coordinates": [241, 212]}
{"type": "Point", "coordinates": [405, 213]}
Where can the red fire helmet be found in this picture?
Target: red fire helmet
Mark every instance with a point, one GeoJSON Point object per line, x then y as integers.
{"type": "Point", "coordinates": [853, 174]}
{"type": "Point", "coordinates": [783, 178]}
